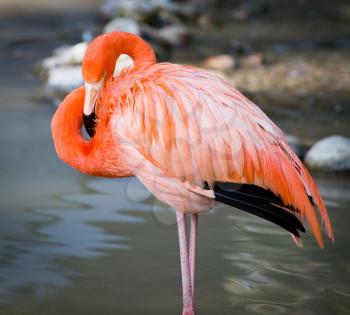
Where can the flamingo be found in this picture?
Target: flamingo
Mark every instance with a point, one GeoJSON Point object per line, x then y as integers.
{"type": "Point", "coordinates": [190, 137]}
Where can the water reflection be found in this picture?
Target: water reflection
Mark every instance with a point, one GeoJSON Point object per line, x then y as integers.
{"type": "Point", "coordinates": [67, 231]}
{"type": "Point", "coordinates": [246, 265]}
{"type": "Point", "coordinates": [272, 276]}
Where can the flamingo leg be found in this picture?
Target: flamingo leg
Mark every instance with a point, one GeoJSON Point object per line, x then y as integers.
{"type": "Point", "coordinates": [192, 251]}
{"type": "Point", "coordinates": [188, 308]}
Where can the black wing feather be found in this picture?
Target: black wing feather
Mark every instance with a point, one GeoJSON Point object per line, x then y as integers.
{"type": "Point", "coordinates": [260, 202]}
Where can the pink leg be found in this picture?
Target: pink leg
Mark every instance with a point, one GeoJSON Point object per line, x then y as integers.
{"type": "Point", "coordinates": [192, 251]}
{"type": "Point", "coordinates": [188, 308]}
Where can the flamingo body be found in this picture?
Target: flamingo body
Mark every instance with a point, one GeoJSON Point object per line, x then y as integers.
{"type": "Point", "coordinates": [190, 137]}
{"type": "Point", "coordinates": [179, 128]}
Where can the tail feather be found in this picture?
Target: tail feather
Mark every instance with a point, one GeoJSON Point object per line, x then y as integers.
{"type": "Point", "coordinates": [303, 178]}
{"type": "Point", "coordinates": [317, 199]}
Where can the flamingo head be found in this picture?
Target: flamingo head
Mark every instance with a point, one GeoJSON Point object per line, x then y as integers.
{"type": "Point", "coordinates": [100, 61]}
{"type": "Point", "coordinates": [92, 92]}
{"type": "Point", "coordinates": [98, 66]}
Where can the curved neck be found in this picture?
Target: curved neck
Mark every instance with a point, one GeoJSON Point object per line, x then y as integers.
{"type": "Point", "coordinates": [107, 48]}
{"type": "Point", "coordinates": [129, 44]}
{"type": "Point", "coordinates": [69, 142]}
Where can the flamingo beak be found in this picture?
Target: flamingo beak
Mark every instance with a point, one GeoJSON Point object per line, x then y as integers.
{"type": "Point", "coordinates": [92, 92]}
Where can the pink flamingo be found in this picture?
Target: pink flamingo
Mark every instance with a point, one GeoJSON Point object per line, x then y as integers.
{"type": "Point", "coordinates": [190, 137]}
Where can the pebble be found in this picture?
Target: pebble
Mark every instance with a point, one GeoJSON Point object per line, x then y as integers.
{"type": "Point", "coordinates": [138, 10]}
{"type": "Point", "coordinates": [143, 10]}
{"type": "Point", "coordinates": [330, 154]}
{"type": "Point", "coordinates": [66, 55]}
{"type": "Point", "coordinates": [65, 78]}
{"type": "Point", "coordinates": [220, 62]}
{"type": "Point", "coordinates": [253, 60]}
{"type": "Point", "coordinates": [174, 35]}
{"type": "Point", "coordinates": [122, 24]}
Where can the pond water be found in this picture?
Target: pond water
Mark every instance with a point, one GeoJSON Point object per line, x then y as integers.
{"type": "Point", "coordinates": [71, 244]}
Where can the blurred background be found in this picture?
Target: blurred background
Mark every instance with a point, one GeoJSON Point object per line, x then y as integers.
{"type": "Point", "coordinates": [72, 244]}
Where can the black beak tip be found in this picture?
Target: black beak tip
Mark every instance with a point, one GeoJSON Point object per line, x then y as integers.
{"type": "Point", "coordinates": [90, 124]}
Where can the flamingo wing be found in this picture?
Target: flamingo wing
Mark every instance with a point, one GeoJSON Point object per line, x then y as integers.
{"type": "Point", "coordinates": [193, 128]}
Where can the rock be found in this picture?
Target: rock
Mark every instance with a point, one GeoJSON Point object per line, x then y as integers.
{"type": "Point", "coordinates": [66, 55]}
{"type": "Point", "coordinates": [163, 18]}
{"type": "Point", "coordinates": [62, 71]}
{"type": "Point", "coordinates": [138, 10]}
{"type": "Point", "coordinates": [170, 35]}
{"type": "Point", "coordinates": [253, 60]}
{"type": "Point", "coordinates": [295, 144]}
{"type": "Point", "coordinates": [331, 154]}
{"type": "Point", "coordinates": [220, 62]}
{"type": "Point", "coordinates": [174, 35]}
{"type": "Point", "coordinates": [143, 10]}
{"type": "Point", "coordinates": [64, 78]}
{"type": "Point", "coordinates": [122, 24]}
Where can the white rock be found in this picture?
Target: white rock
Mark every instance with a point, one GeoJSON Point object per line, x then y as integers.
{"type": "Point", "coordinates": [66, 55]}
{"type": "Point", "coordinates": [253, 60]}
{"type": "Point", "coordinates": [130, 8]}
{"type": "Point", "coordinates": [220, 62]}
{"type": "Point", "coordinates": [141, 10]}
{"type": "Point", "coordinates": [174, 35]}
{"type": "Point", "coordinates": [65, 78]}
{"type": "Point", "coordinates": [122, 24]}
{"type": "Point", "coordinates": [331, 153]}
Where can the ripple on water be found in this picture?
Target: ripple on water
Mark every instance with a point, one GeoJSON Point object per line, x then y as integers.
{"type": "Point", "coordinates": [67, 231]}
{"type": "Point", "coordinates": [272, 276]}
{"type": "Point", "coordinates": [265, 308]}
{"type": "Point", "coordinates": [344, 292]}
{"type": "Point", "coordinates": [280, 276]}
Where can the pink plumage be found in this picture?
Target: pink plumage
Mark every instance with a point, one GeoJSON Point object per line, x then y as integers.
{"type": "Point", "coordinates": [179, 127]}
{"type": "Point", "coordinates": [190, 137]}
